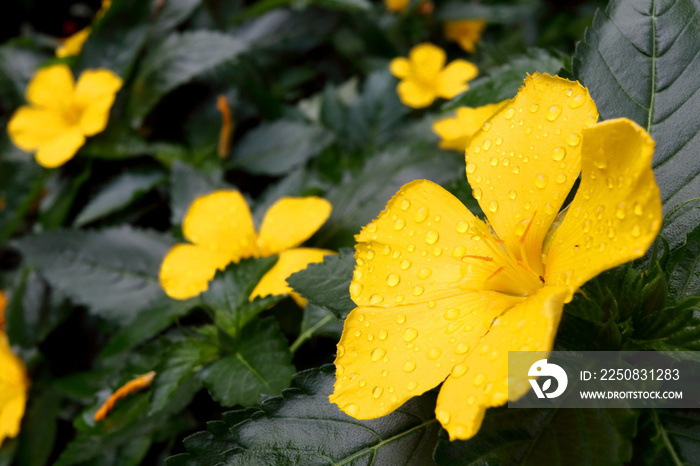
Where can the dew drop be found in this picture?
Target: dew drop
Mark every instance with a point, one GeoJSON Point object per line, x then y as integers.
{"type": "Point", "coordinates": [638, 210]}
{"type": "Point", "coordinates": [341, 351]}
{"type": "Point", "coordinates": [461, 348]}
{"type": "Point", "coordinates": [494, 161]}
{"type": "Point", "coordinates": [405, 264]}
{"type": "Point", "coordinates": [411, 385]}
{"type": "Point", "coordinates": [471, 400]}
{"type": "Point", "coordinates": [410, 334]}
{"type": "Point", "coordinates": [409, 366]}
{"type": "Point", "coordinates": [339, 369]}
{"type": "Point", "coordinates": [499, 141]}
{"type": "Point", "coordinates": [561, 178]}
{"type": "Point", "coordinates": [528, 130]}
{"type": "Point", "coordinates": [479, 379]}
{"type": "Point", "coordinates": [516, 169]}
{"type": "Point", "coordinates": [424, 273]}
{"type": "Point", "coordinates": [541, 181]}
{"type": "Point", "coordinates": [476, 193]}
{"type": "Point", "coordinates": [553, 112]}
{"type": "Point", "coordinates": [421, 214]}
{"type": "Point", "coordinates": [512, 194]}
{"type": "Point", "coordinates": [577, 101]}
{"type": "Point", "coordinates": [453, 327]}
{"type": "Point", "coordinates": [510, 113]}
{"type": "Point", "coordinates": [431, 237]}
{"type": "Point", "coordinates": [493, 206]}
{"type": "Point", "coordinates": [486, 144]}
{"type": "Point", "coordinates": [377, 392]}
{"type": "Point", "coordinates": [462, 226]}
{"type": "Point", "coordinates": [534, 108]}
{"type": "Point", "coordinates": [352, 409]}
{"type": "Point", "coordinates": [399, 224]}
{"type": "Point", "coordinates": [451, 314]}
{"type": "Point", "coordinates": [521, 227]}
{"type": "Point", "coordinates": [476, 149]}
{"type": "Point", "coordinates": [418, 290]}
{"type": "Point", "coordinates": [471, 168]}
{"type": "Point", "coordinates": [459, 251]}
{"type": "Point", "coordinates": [358, 333]}
{"type": "Point", "coordinates": [636, 231]}
{"type": "Point", "coordinates": [459, 370]}
{"type": "Point", "coordinates": [405, 204]}
{"type": "Point", "coordinates": [573, 139]}
{"type": "Point", "coordinates": [375, 299]}
{"type": "Point", "coordinates": [620, 212]}
{"type": "Point", "coordinates": [486, 127]}
{"type": "Point", "coordinates": [400, 318]}
{"type": "Point", "coordinates": [558, 153]}
{"type": "Point", "coordinates": [600, 163]}
{"type": "Point", "coordinates": [362, 383]}
{"type": "Point", "coordinates": [393, 279]}
{"type": "Point", "coordinates": [355, 289]}
{"type": "Point", "coordinates": [434, 353]}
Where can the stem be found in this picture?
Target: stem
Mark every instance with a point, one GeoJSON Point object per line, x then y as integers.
{"type": "Point", "coordinates": [309, 332]}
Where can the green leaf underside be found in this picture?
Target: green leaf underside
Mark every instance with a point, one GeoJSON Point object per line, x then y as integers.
{"type": "Point", "coordinates": [672, 436]}
{"type": "Point", "coordinates": [113, 271]}
{"type": "Point", "coordinates": [326, 284]}
{"type": "Point", "coordinates": [641, 60]}
{"type": "Point", "coordinates": [543, 436]}
{"type": "Point", "coordinates": [303, 427]}
{"type": "Point", "coordinates": [683, 269]}
{"type": "Point", "coordinates": [261, 364]}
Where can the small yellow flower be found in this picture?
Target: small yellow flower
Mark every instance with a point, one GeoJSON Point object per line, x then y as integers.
{"type": "Point", "coordinates": [62, 113]}
{"type": "Point", "coordinates": [467, 32]}
{"type": "Point", "coordinates": [442, 296]}
{"type": "Point", "coordinates": [220, 229]}
{"type": "Point", "coordinates": [396, 5]}
{"type": "Point", "coordinates": [14, 384]}
{"type": "Point", "coordinates": [132, 386]}
{"type": "Point", "coordinates": [455, 132]}
{"type": "Point", "coordinates": [74, 44]}
{"type": "Point", "coordinates": [423, 77]}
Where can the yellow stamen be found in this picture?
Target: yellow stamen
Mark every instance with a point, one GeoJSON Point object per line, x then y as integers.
{"type": "Point", "coordinates": [498, 270]}
{"type": "Point", "coordinates": [483, 258]}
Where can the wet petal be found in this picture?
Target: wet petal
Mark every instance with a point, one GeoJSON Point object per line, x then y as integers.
{"type": "Point", "coordinates": [453, 79]}
{"type": "Point", "coordinates": [290, 221]}
{"type": "Point", "coordinates": [221, 222]}
{"type": "Point", "coordinates": [187, 270]}
{"type": "Point", "coordinates": [94, 95]}
{"type": "Point", "coordinates": [51, 87]}
{"type": "Point", "coordinates": [400, 67]}
{"type": "Point", "coordinates": [426, 61]}
{"type": "Point", "coordinates": [388, 355]}
{"type": "Point", "coordinates": [415, 95]}
{"type": "Point", "coordinates": [524, 161]}
{"type": "Point", "coordinates": [616, 213]}
{"type": "Point", "coordinates": [31, 127]}
{"type": "Point", "coordinates": [60, 149]}
{"type": "Point", "coordinates": [465, 395]}
{"type": "Point", "coordinates": [274, 282]}
{"type": "Point", "coordinates": [13, 387]}
{"type": "Point", "coordinates": [455, 132]}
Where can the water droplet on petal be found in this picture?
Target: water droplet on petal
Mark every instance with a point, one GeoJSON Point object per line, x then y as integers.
{"type": "Point", "coordinates": [421, 214]}
{"type": "Point", "coordinates": [411, 385]}
{"type": "Point", "coordinates": [442, 415]}
{"type": "Point", "coordinates": [451, 314]}
{"type": "Point", "coordinates": [400, 318]}
{"type": "Point", "coordinates": [351, 409]}
{"type": "Point", "coordinates": [636, 231]}
{"type": "Point", "coordinates": [512, 194]}
{"type": "Point", "coordinates": [471, 168]}
{"type": "Point", "coordinates": [355, 289]}
{"type": "Point", "coordinates": [459, 370]}
{"type": "Point", "coordinates": [541, 181]}
{"type": "Point", "coordinates": [493, 206]}
{"type": "Point", "coordinates": [341, 351]}
{"type": "Point", "coordinates": [638, 210]}
{"type": "Point", "coordinates": [486, 144]}
{"type": "Point", "coordinates": [410, 334]}
{"type": "Point", "coordinates": [577, 101]}
{"type": "Point", "coordinates": [486, 127]}
{"type": "Point", "coordinates": [561, 178]}
{"type": "Point", "coordinates": [510, 113]}
{"type": "Point", "coordinates": [553, 112]}
{"type": "Point", "coordinates": [377, 392]}
{"type": "Point", "coordinates": [425, 273]}
{"type": "Point", "coordinates": [494, 161]}
{"type": "Point", "coordinates": [461, 348]}
{"type": "Point", "coordinates": [393, 279]}
{"type": "Point", "coordinates": [620, 212]}
{"type": "Point", "coordinates": [462, 226]}
{"type": "Point", "coordinates": [409, 366]}
{"type": "Point", "coordinates": [534, 108]}
{"type": "Point", "coordinates": [405, 204]}
{"type": "Point", "coordinates": [558, 153]}
{"type": "Point", "coordinates": [405, 264]}
{"type": "Point", "coordinates": [418, 290]}
{"type": "Point", "coordinates": [476, 192]}
{"type": "Point", "coordinates": [573, 139]}
{"type": "Point", "coordinates": [479, 379]}
{"type": "Point", "coordinates": [431, 237]}
{"type": "Point", "coordinates": [375, 299]}
{"type": "Point", "coordinates": [434, 353]}
{"type": "Point", "coordinates": [383, 334]}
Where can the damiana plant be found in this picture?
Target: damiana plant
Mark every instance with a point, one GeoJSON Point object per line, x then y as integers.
{"type": "Point", "coordinates": [61, 112]}
{"type": "Point", "coordinates": [73, 44]}
{"type": "Point", "coordinates": [14, 383]}
{"type": "Point", "coordinates": [424, 76]}
{"type": "Point", "coordinates": [467, 32]}
{"type": "Point", "coordinates": [220, 229]}
{"type": "Point", "coordinates": [455, 132]}
{"type": "Point", "coordinates": [442, 296]}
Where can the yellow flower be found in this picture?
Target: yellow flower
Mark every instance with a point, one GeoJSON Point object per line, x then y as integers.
{"type": "Point", "coordinates": [396, 5]}
{"type": "Point", "coordinates": [442, 296]}
{"type": "Point", "coordinates": [220, 229]}
{"type": "Point", "coordinates": [423, 77]}
{"type": "Point", "coordinates": [13, 390]}
{"type": "Point", "coordinates": [455, 132]}
{"type": "Point", "coordinates": [62, 113]}
{"type": "Point", "coordinates": [467, 32]}
{"type": "Point", "coordinates": [74, 44]}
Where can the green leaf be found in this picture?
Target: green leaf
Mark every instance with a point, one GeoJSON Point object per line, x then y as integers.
{"type": "Point", "coordinates": [525, 437]}
{"type": "Point", "coordinates": [228, 295]}
{"type": "Point", "coordinates": [39, 428]}
{"type": "Point", "coordinates": [118, 193]}
{"type": "Point", "coordinates": [493, 14]}
{"type": "Point", "coordinates": [17, 66]}
{"type": "Point", "coordinates": [186, 184]}
{"type": "Point", "coordinates": [171, 14]}
{"type": "Point", "coordinates": [113, 271]}
{"type": "Point", "coordinates": [683, 269]}
{"type": "Point", "coordinates": [303, 427]}
{"type": "Point", "coordinates": [261, 364]}
{"type": "Point", "coordinates": [675, 328]}
{"type": "Point", "coordinates": [639, 60]}
{"type": "Point", "coordinates": [176, 61]}
{"type": "Point", "coordinates": [349, 5]}
{"type": "Point", "coordinates": [21, 184]}
{"type": "Point", "coordinates": [327, 284]}
{"type": "Point", "coordinates": [502, 82]}
{"type": "Point", "coordinates": [668, 437]}
{"type": "Point", "coordinates": [278, 147]}
{"type": "Point", "coordinates": [62, 190]}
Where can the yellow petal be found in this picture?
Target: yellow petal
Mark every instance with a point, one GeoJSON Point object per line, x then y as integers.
{"type": "Point", "coordinates": [31, 127]}
{"type": "Point", "coordinates": [388, 355]}
{"type": "Point", "coordinates": [427, 246]}
{"type": "Point", "coordinates": [94, 95]}
{"type": "Point", "coordinates": [616, 213]}
{"type": "Point", "coordinates": [426, 61]}
{"type": "Point", "coordinates": [187, 270]}
{"type": "Point", "coordinates": [274, 282]}
{"type": "Point", "coordinates": [13, 390]}
{"type": "Point", "coordinates": [400, 67]}
{"type": "Point", "coordinates": [396, 5]}
{"type": "Point", "coordinates": [465, 32]}
{"type": "Point", "coordinates": [482, 381]}
{"type": "Point", "coordinates": [74, 44]}
{"type": "Point", "coordinates": [132, 386]}
{"type": "Point", "coordinates": [221, 222]}
{"type": "Point", "coordinates": [290, 221]}
{"type": "Point", "coordinates": [415, 95]}
{"type": "Point", "coordinates": [51, 87]}
{"type": "Point", "coordinates": [455, 132]}
{"type": "Point", "coordinates": [60, 149]}
{"type": "Point", "coordinates": [453, 79]}
{"type": "Point", "coordinates": [523, 162]}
